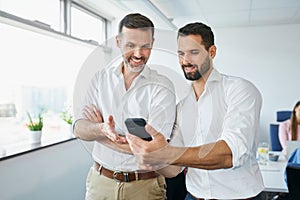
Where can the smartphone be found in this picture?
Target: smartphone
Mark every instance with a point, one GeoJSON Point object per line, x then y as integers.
{"type": "Point", "coordinates": [136, 126]}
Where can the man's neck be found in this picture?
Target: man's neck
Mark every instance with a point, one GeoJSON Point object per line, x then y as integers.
{"type": "Point", "coordinates": [128, 76]}
{"type": "Point", "coordinates": [199, 85]}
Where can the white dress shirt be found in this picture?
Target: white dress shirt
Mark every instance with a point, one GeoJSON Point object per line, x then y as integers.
{"type": "Point", "coordinates": [151, 96]}
{"type": "Point", "coordinates": [229, 110]}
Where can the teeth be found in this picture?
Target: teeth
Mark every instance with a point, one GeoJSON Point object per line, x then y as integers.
{"type": "Point", "coordinates": [137, 60]}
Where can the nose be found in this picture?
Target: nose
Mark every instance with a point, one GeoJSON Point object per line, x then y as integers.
{"type": "Point", "coordinates": [185, 59]}
{"type": "Point", "coordinates": [137, 52]}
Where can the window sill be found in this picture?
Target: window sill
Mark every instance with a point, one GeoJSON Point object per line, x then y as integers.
{"type": "Point", "coordinates": [23, 146]}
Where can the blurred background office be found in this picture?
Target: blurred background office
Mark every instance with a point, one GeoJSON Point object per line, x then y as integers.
{"type": "Point", "coordinates": [44, 45]}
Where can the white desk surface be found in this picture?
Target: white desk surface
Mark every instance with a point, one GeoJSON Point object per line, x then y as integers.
{"type": "Point", "coordinates": [273, 175]}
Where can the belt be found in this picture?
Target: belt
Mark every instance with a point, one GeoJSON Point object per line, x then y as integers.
{"type": "Point", "coordinates": [120, 176]}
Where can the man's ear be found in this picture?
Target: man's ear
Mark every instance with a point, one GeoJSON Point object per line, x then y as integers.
{"type": "Point", "coordinates": [118, 41]}
{"type": "Point", "coordinates": [212, 51]}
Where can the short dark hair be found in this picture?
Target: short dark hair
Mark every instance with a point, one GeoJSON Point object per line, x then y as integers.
{"type": "Point", "coordinates": [136, 20]}
{"type": "Point", "coordinates": [201, 29]}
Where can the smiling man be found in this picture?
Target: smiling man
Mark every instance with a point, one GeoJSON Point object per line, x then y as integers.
{"type": "Point", "coordinates": [216, 131]}
{"type": "Point", "coordinates": [128, 90]}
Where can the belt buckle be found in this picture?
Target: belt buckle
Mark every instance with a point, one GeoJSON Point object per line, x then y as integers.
{"type": "Point", "coordinates": [125, 174]}
{"type": "Point", "coordinates": [115, 176]}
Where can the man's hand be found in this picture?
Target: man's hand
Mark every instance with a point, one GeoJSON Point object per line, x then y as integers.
{"type": "Point", "coordinates": [108, 129]}
{"type": "Point", "coordinates": [151, 155]}
{"type": "Point", "coordinates": [92, 113]}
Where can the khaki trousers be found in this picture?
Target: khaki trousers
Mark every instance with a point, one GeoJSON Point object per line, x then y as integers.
{"type": "Point", "coordinates": [99, 187]}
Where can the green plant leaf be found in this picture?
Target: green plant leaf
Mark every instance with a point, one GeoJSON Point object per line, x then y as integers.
{"type": "Point", "coordinates": [35, 125]}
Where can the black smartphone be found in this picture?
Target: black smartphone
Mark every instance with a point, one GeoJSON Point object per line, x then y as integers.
{"type": "Point", "coordinates": [136, 126]}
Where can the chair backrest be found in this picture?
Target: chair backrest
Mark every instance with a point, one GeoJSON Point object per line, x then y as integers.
{"type": "Point", "coordinates": [274, 138]}
{"type": "Point", "coordinates": [275, 143]}
{"type": "Point", "coordinates": [293, 180]}
{"type": "Point", "coordinates": [283, 115]}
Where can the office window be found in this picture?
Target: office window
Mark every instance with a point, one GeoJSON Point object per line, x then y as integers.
{"type": "Point", "coordinates": [87, 25]}
{"type": "Point", "coordinates": [45, 11]}
{"type": "Point", "coordinates": [38, 68]}
{"type": "Point", "coordinates": [36, 72]}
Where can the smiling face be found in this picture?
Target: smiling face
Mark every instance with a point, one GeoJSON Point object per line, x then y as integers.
{"type": "Point", "coordinates": [193, 58]}
{"type": "Point", "coordinates": [135, 45]}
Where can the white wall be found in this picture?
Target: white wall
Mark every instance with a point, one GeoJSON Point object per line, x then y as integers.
{"type": "Point", "coordinates": [56, 172]}
{"type": "Point", "coordinates": [269, 57]}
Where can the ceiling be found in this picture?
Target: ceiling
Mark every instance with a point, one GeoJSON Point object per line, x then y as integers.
{"type": "Point", "coordinates": [173, 14]}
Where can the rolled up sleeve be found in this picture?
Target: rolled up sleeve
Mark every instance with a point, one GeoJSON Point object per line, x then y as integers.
{"type": "Point", "coordinates": [242, 121]}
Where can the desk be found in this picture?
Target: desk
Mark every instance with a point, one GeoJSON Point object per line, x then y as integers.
{"type": "Point", "coordinates": [273, 175]}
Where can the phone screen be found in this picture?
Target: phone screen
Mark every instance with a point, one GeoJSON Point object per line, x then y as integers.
{"type": "Point", "coordinates": [136, 126]}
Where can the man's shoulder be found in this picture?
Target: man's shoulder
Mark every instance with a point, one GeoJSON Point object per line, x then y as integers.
{"type": "Point", "coordinates": [155, 75]}
{"type": "Point", "coordinates": [160, 79]}
{"type": "Point", "coordinates": [233, 79]}
{"type": "Point", "coordinates": [237, 82]}
{"type": "Point", "coordinates": [106, 71]}
{"type": "Point", "coordinates": [238, 86]}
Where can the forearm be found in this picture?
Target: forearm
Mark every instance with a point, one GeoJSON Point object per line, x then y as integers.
{"type": "Point", "coordinates": [170, 171]}
{"type": "Point", "coordinates": [87, 130]}
{"type": "Point", "coordinates": [209, 156]}
{"type": "Point", "coordinates": [124, 148]}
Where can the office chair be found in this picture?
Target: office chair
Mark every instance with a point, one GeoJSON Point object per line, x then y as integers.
{"type": "Point", "coordinates": [274, 138]}
{"type": "Point", "coordinates": [275, 143]}
{"type": "Point", "coordinates": [293, 180]}
{"type": "Point", "coordinates": [283, 115]}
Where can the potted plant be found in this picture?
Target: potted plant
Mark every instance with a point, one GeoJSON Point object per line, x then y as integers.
{"type": "Point", "coordinates": [35, 127]}
{"type": "Point", "coordinates": [68, 118]}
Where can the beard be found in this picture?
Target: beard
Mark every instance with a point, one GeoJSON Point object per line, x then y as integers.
{"type": "Point", "coordinates": [192, 76]}
{"type": "Point", "coordinates": [137, 68]}
{"type": "Point", "coordinates": [196, 75]}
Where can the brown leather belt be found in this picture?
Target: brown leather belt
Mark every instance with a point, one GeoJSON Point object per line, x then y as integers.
{"type": "Point", "coordinates": [120, 176]}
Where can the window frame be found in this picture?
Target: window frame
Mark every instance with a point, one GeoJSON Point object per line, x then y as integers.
{"type": "Point", "coordinates": [94, 14]}
{"type": "Point", "coordinates": [44, 29]}
{"type": "Point", "coordinates": [65, 16]}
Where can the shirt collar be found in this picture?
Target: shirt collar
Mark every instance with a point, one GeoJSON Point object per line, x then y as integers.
{"type": "Point", "coordinates": [214, 76]}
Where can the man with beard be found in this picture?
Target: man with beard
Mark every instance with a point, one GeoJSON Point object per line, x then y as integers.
{"type": "Point", "coordinates": [129, 90]}
{"type": "Point", "coordinates": [216, 131]}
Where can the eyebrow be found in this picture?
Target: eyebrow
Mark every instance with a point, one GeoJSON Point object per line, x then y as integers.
{"type": "Point", "coordinates": [189, 50]}
{"type": "Point", "coordinates": [142, 45]}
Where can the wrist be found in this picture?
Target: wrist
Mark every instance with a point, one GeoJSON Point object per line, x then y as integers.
{"type": "Point", "coordinates": [97, 129]}
{"type": "Point", "coordinates": [176, 156]}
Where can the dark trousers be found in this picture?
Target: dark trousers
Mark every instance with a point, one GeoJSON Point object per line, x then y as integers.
{"type": "Point", "coordinates": [176, 189]}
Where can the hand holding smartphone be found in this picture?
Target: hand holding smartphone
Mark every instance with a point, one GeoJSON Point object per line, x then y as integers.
{"type": "Point", "coordinates": [136, 126]}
